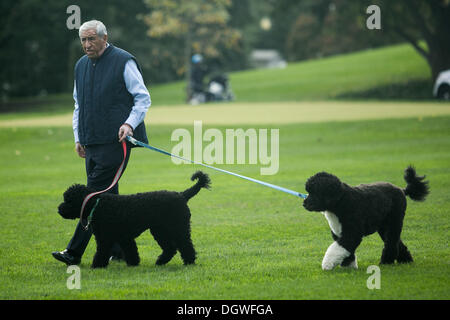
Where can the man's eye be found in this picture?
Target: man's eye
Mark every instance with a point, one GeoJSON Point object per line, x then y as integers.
{"type": "Point", "coordinates": [90, 39]}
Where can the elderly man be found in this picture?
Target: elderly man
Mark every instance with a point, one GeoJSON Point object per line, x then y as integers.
{"type": "Point", "coordinates": [111, 102]}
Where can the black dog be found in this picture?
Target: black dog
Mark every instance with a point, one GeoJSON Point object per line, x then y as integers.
{"type": "Point", "coordinates": [355, 212]}
{"type": "Point", "coordinates": [122, 218]}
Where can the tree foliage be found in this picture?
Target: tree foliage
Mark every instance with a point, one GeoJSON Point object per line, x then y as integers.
{"type": "Point", "coordinates": [316, 28]}
{"type": "Point", "coordinates": [416, 21]}
{"type": "Point", "coordinates": [38, 52]}
{"type": "Point", "coordinates": [196, 26]}
{"type": "Point", "coordinates": [310, 28]}
{"type": "Point", "coordinates": [32, 49]}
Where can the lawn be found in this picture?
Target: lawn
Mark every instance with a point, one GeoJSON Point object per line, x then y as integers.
{"type": "Point", "coordinates": [253, 242]}
{"type": "Point", "coordinates": [317, 79]}
{"type": "Point", "coordinates": [344, 75]}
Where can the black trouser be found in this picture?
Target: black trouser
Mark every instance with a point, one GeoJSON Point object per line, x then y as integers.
{"type": "Point", "coordinates": [102, 164]}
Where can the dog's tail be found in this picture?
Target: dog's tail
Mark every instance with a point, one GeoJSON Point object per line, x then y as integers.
{"type": "Point", "coordinates": [416, 188]}
{"type": "Point", "coordinates": [203, 182]}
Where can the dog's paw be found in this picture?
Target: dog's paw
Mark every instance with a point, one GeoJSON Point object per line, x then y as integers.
{"type": "Point", "coordinates": [334, 256]}
{"type": "Point", "coordinates": [326, 266]}
{"type": "Point", "coordinates": [98, 266]}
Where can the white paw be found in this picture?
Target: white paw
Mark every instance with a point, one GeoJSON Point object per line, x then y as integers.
{"type": "Point", "coordinates": [327, 266]}
{"type": "Point", "coordinates": [334, 256]}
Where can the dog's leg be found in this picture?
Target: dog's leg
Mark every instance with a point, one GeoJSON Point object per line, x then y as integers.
{"type": "Point", "coordinates": [390, 233]}
{"type": "Point", "coordinates": [334, 256]}
{"type": "Point", "coordinates": [101, 257]}
{"type": "Point", "coordinates": [165, 242]}
{"type": "Point", "coordinates": [341, 252]}
{"type": "Point", "coordinates": [184, 243]}
{"type": "Point", "coordinates": [130, 251]}
{"type": "Point", "coordinates": [391, 237]}
{"type": "Point", "coordinates": [187, 251]}
{"type": "Point", "coordinates": [350, 262]}
{"type": "Point", "coordinates": [404, 256]}
{"type": "Point", "coordinates": [390, 253]}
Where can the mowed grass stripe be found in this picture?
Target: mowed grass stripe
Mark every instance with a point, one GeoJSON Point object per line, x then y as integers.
{"type": "Point", "coordinates": [263, 113]}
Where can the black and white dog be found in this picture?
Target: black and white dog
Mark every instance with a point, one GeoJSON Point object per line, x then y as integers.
{"type": "Point", "coordinates": [355, 212]}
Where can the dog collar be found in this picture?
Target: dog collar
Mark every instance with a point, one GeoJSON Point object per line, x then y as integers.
{"type": "Point", "coordinates": [89, 218]}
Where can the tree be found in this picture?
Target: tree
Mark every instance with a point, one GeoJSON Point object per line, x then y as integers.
{"type": "Point", "coordinates": [315, 28]}
{"type": "Point", "coordinates": [32, 47]}
{"type": "Point", "coordinates": [308, 28]}
{"type": "Point", "coordinates": [416, 21]}
{"type": "Point", "coordinates": [199, 26]}
{"type": "Point", "coordinates": [38, 51]}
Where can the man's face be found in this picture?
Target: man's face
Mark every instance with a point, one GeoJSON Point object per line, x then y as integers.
{"type": "Point", "coordinates": [93, 45]}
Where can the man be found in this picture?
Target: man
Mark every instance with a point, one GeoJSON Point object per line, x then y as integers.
{"type": "Point", "coordinates": [198, 72]}
{"type": "Point", "coordinates": [111, 102]}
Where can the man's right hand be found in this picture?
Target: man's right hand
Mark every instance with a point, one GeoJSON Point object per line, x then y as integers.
{"type": "Point", "coordinates": [80, 150]}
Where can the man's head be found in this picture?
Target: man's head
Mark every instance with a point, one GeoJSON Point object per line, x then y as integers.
{"type": "Point", "coordinates": [93, 37]}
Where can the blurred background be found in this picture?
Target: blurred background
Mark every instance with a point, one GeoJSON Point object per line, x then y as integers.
{"type": "Point", "coordinates": [39, 51]}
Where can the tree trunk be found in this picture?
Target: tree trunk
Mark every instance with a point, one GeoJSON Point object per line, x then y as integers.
{"type": "Point", "coordinates": [187, 64]}
{"type": "Point", "coordinates": [439, 58]}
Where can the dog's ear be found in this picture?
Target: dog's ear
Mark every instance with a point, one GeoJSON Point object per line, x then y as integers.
{"type": "Point", "coordinates": [77, 187]}
{"type": "Point", "coordinates": [324, 183]}
{"type": "Point", "coordinates": [332, 185]}
{"type": "Point", "coordinates": [74, 192]}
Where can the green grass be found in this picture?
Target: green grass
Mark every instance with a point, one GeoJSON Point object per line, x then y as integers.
{"type": "Point", "coordinates": [317, 79]}
{"type": "Point", "coordinates": [383, 71]}
{"type": "Point", "coordinates": [252, 242]}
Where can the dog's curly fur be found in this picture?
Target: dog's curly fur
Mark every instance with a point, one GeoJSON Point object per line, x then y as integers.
{"type": "Point", "coordinates": [355, 212]}
{"type": "Point", "coordinates": [122, 218]}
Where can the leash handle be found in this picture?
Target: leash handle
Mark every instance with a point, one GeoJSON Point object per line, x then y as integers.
{"type": "Point", "coordinates": [295, 193]}
{"type": "Point", "coordinates": [115, 180]}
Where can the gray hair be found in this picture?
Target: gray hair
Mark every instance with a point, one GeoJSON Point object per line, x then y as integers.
{"type": "Point", "coordinates": [99, 27]}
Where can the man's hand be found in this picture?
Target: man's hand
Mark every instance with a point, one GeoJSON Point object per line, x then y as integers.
{"type": "Point", "coordinates": [124, 131]}
{"type": "Point", "coordinates": [80, 150]}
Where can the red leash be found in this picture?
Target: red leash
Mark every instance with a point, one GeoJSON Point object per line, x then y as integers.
{"type": "Point", "coordinates": [115, 180]}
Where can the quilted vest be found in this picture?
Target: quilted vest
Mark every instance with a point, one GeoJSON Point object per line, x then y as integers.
{"type": "Point", "coordinates": [103, 99]}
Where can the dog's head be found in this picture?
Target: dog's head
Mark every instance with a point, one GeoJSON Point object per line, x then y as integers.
{"type": "Point", "coordinates": [324, 190]}
{"type": "Point", "coordinates": [73, 199]}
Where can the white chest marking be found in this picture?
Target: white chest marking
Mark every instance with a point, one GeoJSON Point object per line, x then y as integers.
{"type": "Point", "coordinates": [334, 223]}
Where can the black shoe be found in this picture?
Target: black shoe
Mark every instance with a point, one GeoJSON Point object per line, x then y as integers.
{"type": "Point", "coordinates": [65, 257]}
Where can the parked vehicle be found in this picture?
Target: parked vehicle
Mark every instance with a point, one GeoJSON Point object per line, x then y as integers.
{"type": "Point", "coordinates": [441, 89]}
{"type": "Point", "coordinates": [218, 88]}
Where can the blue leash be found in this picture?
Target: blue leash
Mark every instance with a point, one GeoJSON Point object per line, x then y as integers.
{"type": "Point", "coordinates": [141, 144]}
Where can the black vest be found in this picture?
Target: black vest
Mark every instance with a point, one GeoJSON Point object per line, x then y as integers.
{"type": "Point", "coordinates": [103, 99]}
